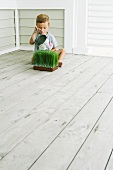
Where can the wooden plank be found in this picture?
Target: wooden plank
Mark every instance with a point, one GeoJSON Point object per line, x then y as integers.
{"type": "Point", "coordinates": [16, 65]}
{"type": "Point", "coordinates": [108, 70]}
{"type": "Point", "coordinates": [6, 14]}
{"type": "Point", "coordinates": [107, 43]}
{"type": "Point", "coordinates": [13, 53]}
{"type": "Point", "coordinates": [53, 13]}
{"type": "Point", "coordinates": [100, 31]}
{"type": "Point", "coordinates": [100, 37]}
{"type": "Point", "coordinates": [6, 23]}
{"type": "Point", "coordinates": [38, 141]}
{"type": "Point", "coordinates": [67, 62]}
{"type": "Point", "coordinates": [100, 19]}
{"type": "Point", "coordinates": [97, 148]}
{"type": "Point", "coordinates": [7, 41]}
{"type": "Point", "coordinates": [100, 13]}
{"type": "Point", "coordinates": [101, 25]}
{"type": "Point", "coordinates": [13, 116]}
{"type": "Point", "coordinates": [108, 86]}
{"type": "Point", "coordinates": [97, 7]}
{"type": "Point", "coordinates": [56, 23]}
{"type": "Point", "coordinates": [99, 2]}
{"type": "Point", "coordinates": [87, 75]}
{"type": "Point", "coordinates": [7, 32]}
{"type": "Point", "coordinates": [15, 99]}
{"type": "Point", "coordinates": [50, 111]}
{"type": "Point", "coordinates": [109, 166]}
{"type": "Point", "coordinates": [44, 112]}
{"type": "Point", "coordinates": [7, 63]}
{"type": "Point", "coordinates": [8, 82]}
{"type": "Point", "coordinates": [10, 90]}
{"type": "Point", "coordinates": [28, 31]}
{"type": "Point", "coordinates": [16, 70]}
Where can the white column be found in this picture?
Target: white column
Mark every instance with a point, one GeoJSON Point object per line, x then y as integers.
{"type": "Point", "coordinates": [80, 45]}
{"type": "Point", "coordinates": [17, 28]}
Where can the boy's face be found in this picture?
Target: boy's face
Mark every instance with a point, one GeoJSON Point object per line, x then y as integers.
{"type": "Point", "coordinates": [43, 27]}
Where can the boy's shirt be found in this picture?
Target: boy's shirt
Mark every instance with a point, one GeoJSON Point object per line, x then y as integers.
{"type": "Point", "coordinates": [50, 37]}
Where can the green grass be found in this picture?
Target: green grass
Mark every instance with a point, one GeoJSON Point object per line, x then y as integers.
{"type": "Point", "coordinates": [48, 59]}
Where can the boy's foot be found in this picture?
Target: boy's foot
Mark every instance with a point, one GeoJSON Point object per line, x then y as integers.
{"type": "Point", "coordinates": [59, 64]}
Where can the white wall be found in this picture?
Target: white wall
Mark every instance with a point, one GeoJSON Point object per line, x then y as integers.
{"type": "Point", "coordinates": [8, 4]}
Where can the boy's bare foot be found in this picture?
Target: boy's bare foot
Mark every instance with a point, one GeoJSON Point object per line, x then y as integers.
{"type": "Point", "coordinates": [60, 64]}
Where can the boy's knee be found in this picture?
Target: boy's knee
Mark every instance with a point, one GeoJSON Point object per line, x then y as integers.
{"type": "Point", "coordinates": [63, 51]}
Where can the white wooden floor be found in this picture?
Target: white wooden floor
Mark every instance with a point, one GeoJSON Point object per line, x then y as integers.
{"type": "Point", "coordinates": [61, 120]}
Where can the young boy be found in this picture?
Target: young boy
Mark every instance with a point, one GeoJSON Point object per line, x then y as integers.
{"type": "Point", "coordinates": [41, 28]}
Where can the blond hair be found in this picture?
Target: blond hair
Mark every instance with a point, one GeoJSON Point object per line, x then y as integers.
{"type": "Point", "coordinates": [42, 18]}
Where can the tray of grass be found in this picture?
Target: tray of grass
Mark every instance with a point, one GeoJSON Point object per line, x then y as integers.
{"type": "Point", "coordinates": [45, 60]}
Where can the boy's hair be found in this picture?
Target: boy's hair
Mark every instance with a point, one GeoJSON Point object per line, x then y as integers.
{"type": "Point", "coordinates": [42, 18]}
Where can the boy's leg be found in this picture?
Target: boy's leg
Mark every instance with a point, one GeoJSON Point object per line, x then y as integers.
{"type": "Point", "coordinates": [32, 60]}
{"type": "Point", "coordinates": [61, 54]}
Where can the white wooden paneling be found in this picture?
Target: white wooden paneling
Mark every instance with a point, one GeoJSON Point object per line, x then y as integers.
{"type": "Point", "coordinates": [101, 2]}
{"type": "Point", "coordinates": [31, 22]}
{"type": "Point", "coordinates": [100, 23]}
{"type": "Point", "coordinates": [100, 19]}
{"type": "Point", "coordinates": [7, 29]}
{"type": "Point", "coordinates": [7, 23]}
{"type": "Point", "coordinates": [7, 32]}
{"type": "Point", "coordinates": [27, 21]}
{"type": "Point", "coordinates": [7, 41]}
{"type": "Point", "coordinates": [6, 14]}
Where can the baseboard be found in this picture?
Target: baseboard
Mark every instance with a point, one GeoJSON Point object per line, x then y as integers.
{"type": "Point", "coordinates": [9, 50]}
{"type": "Point", "coordinates": [26, 48]}
{"type": "Point", "coordinates": [79, 50]}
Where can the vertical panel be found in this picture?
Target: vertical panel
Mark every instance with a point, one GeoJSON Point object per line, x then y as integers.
{"type": "Point", "coordinates": [7, 29]}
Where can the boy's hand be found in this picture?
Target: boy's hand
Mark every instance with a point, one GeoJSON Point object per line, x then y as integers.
{"type": "Point", "coordinates": [37, 30]}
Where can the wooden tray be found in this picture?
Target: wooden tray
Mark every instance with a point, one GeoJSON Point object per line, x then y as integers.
{"type": "Point", "coordinates": [44, 68]}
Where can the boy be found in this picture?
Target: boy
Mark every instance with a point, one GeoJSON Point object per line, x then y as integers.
{"type": "Point", "coordinates": [41, 28]}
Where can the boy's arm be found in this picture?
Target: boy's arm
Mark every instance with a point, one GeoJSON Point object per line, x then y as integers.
{"type": "Point", "coordinates": [33, 37]}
